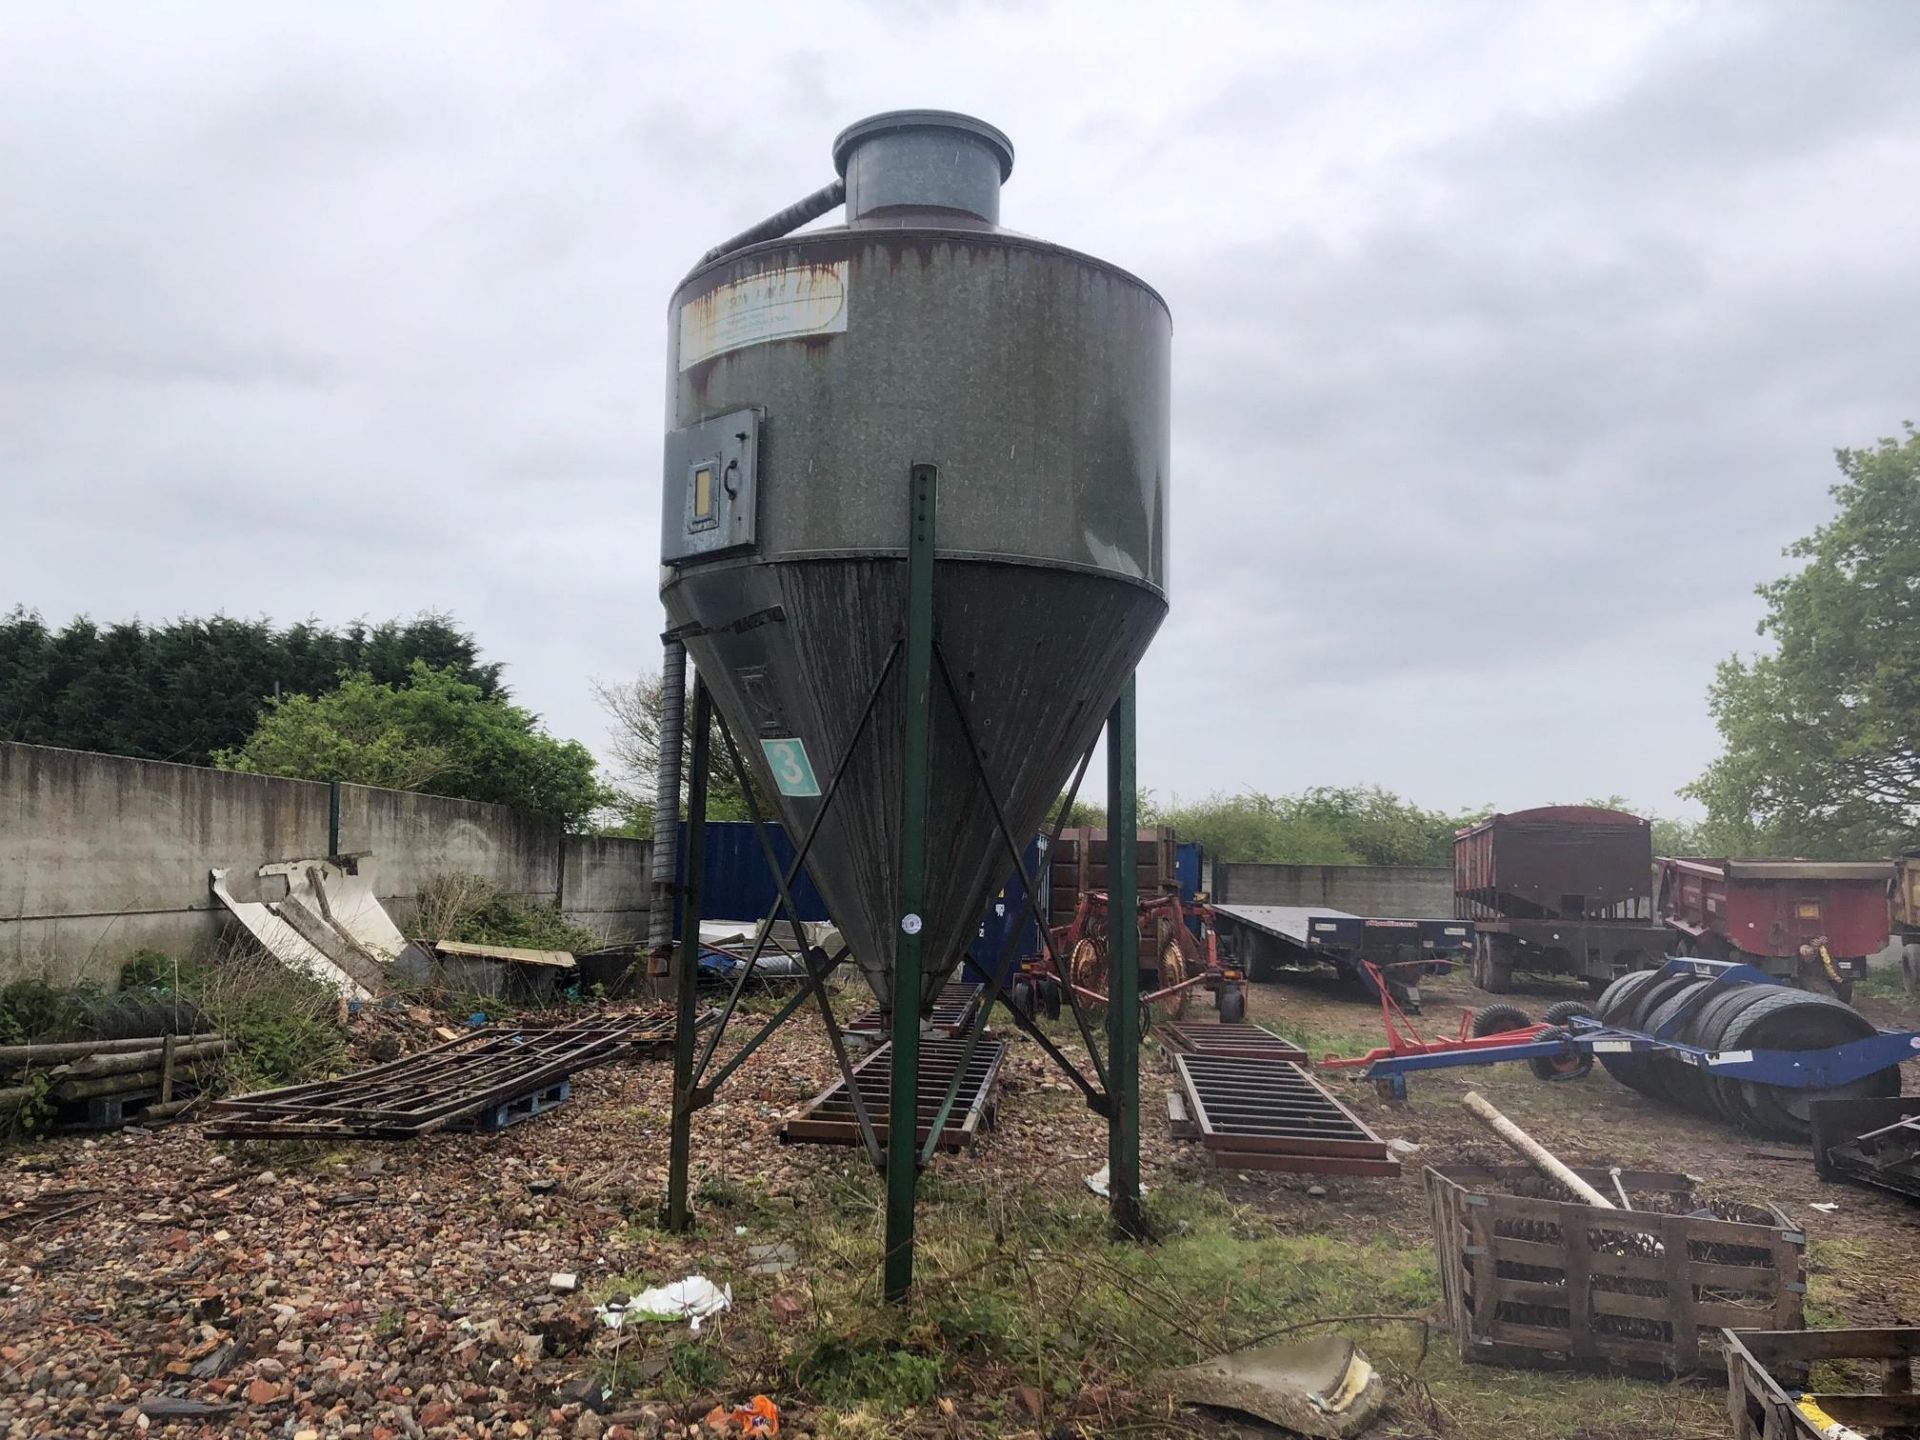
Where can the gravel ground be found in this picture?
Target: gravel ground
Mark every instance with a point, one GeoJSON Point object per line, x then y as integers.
{"type": "Point", "coordinates": [404, 1289]}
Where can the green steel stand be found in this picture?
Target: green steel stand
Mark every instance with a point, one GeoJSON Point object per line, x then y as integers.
{"type": "Point", "coordinates": [902, 1110]}
{"type": "Point", "coordinates": [687, 974]}
{"type": "Point", "coordinates": [1123, 969]}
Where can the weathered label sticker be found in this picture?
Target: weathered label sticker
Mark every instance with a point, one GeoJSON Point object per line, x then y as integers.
{"type": "Point", "coordinates": [1731, 1057]}
{"type": "Point", "coordinates": [773, 305]}
{"type": "Point", "coordinates": [1612, 1047]}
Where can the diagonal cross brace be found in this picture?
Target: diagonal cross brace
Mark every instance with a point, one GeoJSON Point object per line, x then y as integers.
{"type": "Point", "coordinates": [799, 859]}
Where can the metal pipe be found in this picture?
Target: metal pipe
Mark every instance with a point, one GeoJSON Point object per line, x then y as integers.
{"type": "Point", "coordinates": [1123, 972]}
{"type": "Point", "coordinates": [903, 1120]}
{"type": "Point", "coordinates": [1543, 1159]}
{"type": "Point", "coordinates": [666, 801]}
{"type": "Point", "coordinates": [812, 207]}
{"type": "Point", "coordinates": [687, 974]}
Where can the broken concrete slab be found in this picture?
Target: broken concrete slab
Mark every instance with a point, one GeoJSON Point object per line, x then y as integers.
{"type": "Point", "coordinates": [284, 943]}
{"type": "Point", "coordinates": [337, 895]}
{"type": "Point", "coordinates": [1322, 1387]}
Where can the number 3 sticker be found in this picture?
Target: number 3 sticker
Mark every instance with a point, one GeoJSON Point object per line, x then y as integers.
{"type": "Point", "coordinates": [792, 771]}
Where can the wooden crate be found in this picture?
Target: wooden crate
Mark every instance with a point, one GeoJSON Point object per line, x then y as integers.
{"type": "Point", "coordinates": [1079, 863]}
{"type": "Point", "coordinates": [1769, 1372]}
{"type": "Point", "coordinates": [1536, 1280]}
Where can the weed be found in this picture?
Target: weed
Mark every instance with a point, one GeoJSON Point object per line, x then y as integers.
{"type": "Point", "coordinates": [466, 907]}
{"type": "Point", "coordinates": [722, 1193]}
{"type": "Point", "coordinates": [698, 1367]}
{"type": "Point", "coordinates": [839, 1370]}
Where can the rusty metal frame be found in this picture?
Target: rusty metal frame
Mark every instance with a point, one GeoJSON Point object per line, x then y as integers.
{"type": "Point", "coordinates": [426, 1091]}
{"type": "Point", "coordinates": [978, 1071]}
{"type": "Point", "coordinates": [1271, 1114]}
{"type": "Point", "coordinates": [954, 1009]}
{"type": "Point", "coordinates": [1243, 1040]}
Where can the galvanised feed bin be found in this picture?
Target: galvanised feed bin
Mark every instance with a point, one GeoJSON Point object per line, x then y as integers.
{"type": "Point", "coordinates": [807, 375]}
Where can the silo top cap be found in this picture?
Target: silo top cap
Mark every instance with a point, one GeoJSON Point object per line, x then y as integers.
{"type": "Point", "coordinates": [895, 120]}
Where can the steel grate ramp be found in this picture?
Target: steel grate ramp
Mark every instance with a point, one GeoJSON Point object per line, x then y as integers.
{"type": "Point", "coordinates": [1257, 1114]}
{"type": "Point", "coordinates": [829, 1117]}
{"type": "Point", "coordinates": [431, 1090]}
{"type": "Point", "coordinates": [953, 1011]}
{"type": "Point", "coordinates": [1242, 1040]}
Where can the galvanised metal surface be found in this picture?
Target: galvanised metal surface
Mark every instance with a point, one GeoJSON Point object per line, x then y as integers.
{"type": "Point", "coordinates": [1036, 379]}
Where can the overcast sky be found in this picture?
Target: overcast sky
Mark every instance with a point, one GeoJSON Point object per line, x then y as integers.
{"type": "Point", "coordinates": [1511, 342]}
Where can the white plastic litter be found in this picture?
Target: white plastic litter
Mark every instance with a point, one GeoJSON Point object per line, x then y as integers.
{"type": "Point", "coordinates": [1825, 1208]}
{"type": "Point", "coordinates": [1098, 1183]}
{"type": "Point", "coordinates": [692, 1299]}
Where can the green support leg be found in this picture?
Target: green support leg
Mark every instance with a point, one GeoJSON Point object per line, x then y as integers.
{"type": "Point", "coordinates": [687, 969]}
{"type": "Point", "coordinates": [1123, 970]}
{"type": "Point", "coordinates": [902, 1117]}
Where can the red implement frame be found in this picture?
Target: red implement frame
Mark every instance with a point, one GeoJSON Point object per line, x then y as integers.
{"type": "Point", "coordinates": [1199, 953]}
{"type": "Point", "coordinates": [1403, 1038]}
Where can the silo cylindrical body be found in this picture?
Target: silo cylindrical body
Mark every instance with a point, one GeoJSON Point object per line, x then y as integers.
{"type": "Point", "coordinates": [806, 377]}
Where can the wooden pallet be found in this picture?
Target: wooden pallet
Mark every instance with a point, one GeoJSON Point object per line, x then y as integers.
{"type": "Point", "coordinates": [1547, 1283]}
{"type": "Point", "coordinates": [829, 1117]}
{"type": "Point", "coordinates": [1261, 1114]}
{"type": "Point", "coordinates": [466, 1078]}
{"type": "Point", "coordinates": [1771, 1376]}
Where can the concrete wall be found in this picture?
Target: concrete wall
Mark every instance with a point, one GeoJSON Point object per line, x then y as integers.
{"type": "Point", "coordinates": [1394, 891]}
{"type": "Point", "coordinates": [101, 855]}
{"type": "Point", "coordinates": [603, 884]}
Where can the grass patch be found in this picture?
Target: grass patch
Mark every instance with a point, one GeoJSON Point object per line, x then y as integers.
{"type": "Point", "coordinates": [283, 1023]}
{"type": "Point", "coordinates": [1022, 1289]}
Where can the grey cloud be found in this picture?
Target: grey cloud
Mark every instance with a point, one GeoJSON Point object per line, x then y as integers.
{"type": "Point", "coordinates": [1511, 344]}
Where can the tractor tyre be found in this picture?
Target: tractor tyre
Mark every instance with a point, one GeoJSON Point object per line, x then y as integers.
{"type": "Point", "coordinates": [1498, 1019]}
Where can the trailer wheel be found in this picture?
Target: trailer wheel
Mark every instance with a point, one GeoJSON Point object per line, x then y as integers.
{"type": "Point", "coordinates": [1613, 1000]}
{"type": "Point", "coordinates": [1492, 972]}
{"type": "Point", "coordinates": [1554, 1068]}
{"type": "Point", "coordinates": [1562, 1011]}
{"type": "Point", "coordinates": [1233, 1005]}
{"type": "Point", "coordinates": [1050, 997]}
{"type": "Point", "coordinates": [1796, 1020]}
{"type": "Point", "coordinates": [1684, 1085]}
{"type": "Point", "coordinates": [1498, 1019]}
{"type": "Point", "coordinates": [1706, 1028]}
{"type": "Point", "coordinates": [1630, 1011]}
{"type": "Point", "coordinates": [1021, 997]}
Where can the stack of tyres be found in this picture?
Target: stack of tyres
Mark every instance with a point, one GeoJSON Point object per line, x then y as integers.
{"type": "Point", "coordinates": [1743, 1017]}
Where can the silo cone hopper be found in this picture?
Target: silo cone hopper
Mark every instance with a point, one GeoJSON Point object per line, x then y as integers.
{"type": "Point", "coordinates": [913, 527]}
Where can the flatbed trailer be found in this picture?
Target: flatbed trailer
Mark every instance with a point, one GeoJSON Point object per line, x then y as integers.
{"type": "Point", "coordinates": [1264, 938]}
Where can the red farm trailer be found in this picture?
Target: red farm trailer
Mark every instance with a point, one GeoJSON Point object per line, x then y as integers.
{"type": "Point", "coordinates": [1906, 914]}
{"type": "Point", "coordinates": [1813, 923]}
{"type": "Point", "coordinates": [1559, 890]}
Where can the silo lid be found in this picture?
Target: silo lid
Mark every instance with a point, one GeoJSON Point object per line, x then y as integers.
{"type": "Point", "coordinates": [891, 120]}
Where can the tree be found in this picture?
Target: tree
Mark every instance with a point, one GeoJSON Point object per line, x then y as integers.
{"type": "Point", "coordinates": [1822, 735]}
{"type": "Point", "coordinates": [183, 690]}
{"type": "Point", "coordinates": [437, 733]}
{"type": "Point", "coordinates": [635, 707]}
{"type": "Point", "coordinates": [1325, 825]}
